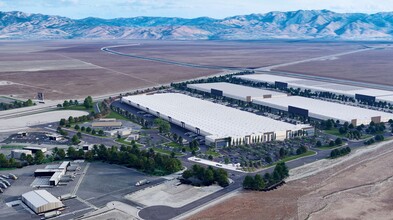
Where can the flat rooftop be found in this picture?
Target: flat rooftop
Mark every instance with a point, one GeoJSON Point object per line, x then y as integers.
{"type": "Point", "coordinates": [217, 120]}
{"type": "Point", "coordinates": [324, 108]}
{"type": "Point", "coordinates": [316, 85]}
{"type": "Point", "coordinates": [234, 90]}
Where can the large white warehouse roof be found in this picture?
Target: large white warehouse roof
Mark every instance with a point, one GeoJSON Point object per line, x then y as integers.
{"type": "Point", "coordinates": [326, 110]}
{"type": "Point", "coordinates": [214, 120]}
{"type": "Point", "coordinates": [244, 93]}
{"type": "Point", "coordinates": [316, 85]}
{"type": "Point", "coordinates": [41, 201]}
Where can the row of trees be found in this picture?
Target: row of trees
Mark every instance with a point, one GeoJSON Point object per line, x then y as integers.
{"type": "Point", "coordinates": [340, 152]}
{"type": "Point", "coordinates": [377, 138]}
{"type": "Point", "coordinates": [258, 183]}
{"type": "Point", "coordinates": [72, 120]}
{"type": "Point", "coordinates": [200, 176]}
{"type": "Point", "coordinates": [163, 126]}
{"type": "Point", "coordinates": [89, 130]}
{"type": "Point", "coordinates": [375, 128]}
{"type": "Point", "coordinates": [68, 103]}
{"type": "Point", "coordinates": [147, 161]}
{"type": "Point", "coordinates": [16, 104]}
{"type": "Point", "coordinates": [25, 160]}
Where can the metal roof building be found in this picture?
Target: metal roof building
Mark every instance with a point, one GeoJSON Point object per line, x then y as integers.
{"type": "Point", "coordinates": [106, 124]}
{"type": "Point", "coordinates": [219, 124]}
{"type": "Point", "coordinates": [234, 91]}
{"type": "Point", "coordinates": [321, 86]}
{"type": "Point", "coordinates": [41, 201]}
{"type": "Point", "coordinates": [323, 110]}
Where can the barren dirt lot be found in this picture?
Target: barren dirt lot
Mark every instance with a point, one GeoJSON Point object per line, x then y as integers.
{"type": "Point", "coordinates": [77, 68]}
{"type": "Point", "coordinates": [358, 188]}
{"type": "Point", "coordinates": [47, 67]}
{"type": "Point", "coordinates": [374, 66]}
{"type": "Point", "coordinates": [245, 54]}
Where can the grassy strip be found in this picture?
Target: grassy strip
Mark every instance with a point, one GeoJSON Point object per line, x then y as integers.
{"type": "Point", "coordinates": [213, 153]}
{"type": "Point", "coordinates": [12, 147]}
{"type": "Point", "coordinates": [117, 116]}
{"type": "Point", "coordinates": [78, 108]}
{"type": "Point", "coordinates": [294, 157]}
{"type": "Point", "coordinates": [162, 151]}
{"type": "Point", "coordinates": [327, 147]}
{"type": "Point", "coordinates": [10, 168]}
{"type": "Point", "coordinates": [334, 132]}
{"type": "Point", "coordinates": [123, 141]}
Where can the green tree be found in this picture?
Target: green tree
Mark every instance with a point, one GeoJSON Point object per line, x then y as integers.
{"type": "Point", "coordinates": [248, 182]}
{"type": "Point", "coordinates": [61, 154]}
{"type": "Point", "coordinates": [29, 102]}
{"type": "Point", "coordinates": [338, 141]}
{"type": "Point", "coordinates": [39, 157]}
{"type": "Point", "coordinates": [29, 159]}
{"type": "Point", "coordinates": [187, 174]}
{"type": "Point", "coordinates": [88, 102]}
{"type": "Point", "coordinates": [66, 104]}
{"type": "Point", "coordinates": [75, 140]}
{"type": "Point", "coordinates": [71, 152]}
{"type": "Point", "coordinates": [76, 127]}
{"type": "Point", "coordinates": [259, 183]}
{"type": "Point", "coordinates": [62, 122]}
{"type": "Point", "coordinates": [101, 132]}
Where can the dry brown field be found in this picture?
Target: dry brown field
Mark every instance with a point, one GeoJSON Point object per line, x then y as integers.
{"type": "Point", "coordinates": [47, 67]}
{"type": "Point", "coordinates": [359, 188]}
{"type": "Point", "coordinates": [75, 69]}
{"type": "Point", "coordinates": [374, 66]}
{"type": "Point", "coordinates": [241, 54]}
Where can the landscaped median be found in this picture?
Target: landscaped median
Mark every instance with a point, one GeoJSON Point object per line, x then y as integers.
{"type": "Point", "coordinates": [294, 157]}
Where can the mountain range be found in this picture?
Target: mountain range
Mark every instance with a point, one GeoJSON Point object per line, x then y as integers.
{"type": "Point", "coordinates": [313, 24]}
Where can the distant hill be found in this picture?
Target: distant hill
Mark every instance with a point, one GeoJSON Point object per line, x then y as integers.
{"type": "Point", "coordinates": [274, 25]}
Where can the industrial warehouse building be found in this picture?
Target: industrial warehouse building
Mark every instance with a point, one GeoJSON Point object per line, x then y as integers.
{"type": "Point", "coordinates": [219, 124]}
{"type": "Point", "coordinates": [323, 110]}
{"type": "Point", "coordinates": [234, 91]}
{"type": "Point", "coordinates": [41, 201]}
{"type": "Point", "coordinates": [360, 93]}
{"type": "Point", "coordinates": [54, 172]}
{"type": "Point", "coordinates": [17, 153]}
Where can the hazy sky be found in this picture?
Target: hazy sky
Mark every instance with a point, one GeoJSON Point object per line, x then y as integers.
{"type": "Point", "coordinates": [185, 8]}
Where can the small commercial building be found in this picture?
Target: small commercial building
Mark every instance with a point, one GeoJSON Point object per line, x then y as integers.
{"type": "Point", "coordinates": [106, 124]}
{"type": "Point", "coordinates": [17, 153]}
{"type": "Point", "coordinates": [35, 149]}
{"type": "Point", "coordinates": [323, 110]}
{"type": "Point", "coordinates": [234, 91]}
{"type": "Point", "coordinates": [41, 201]}
{"type": "Point", "coordinates": [133, 137]}
{"type": "Point", "coordinates": [54, 137]}
{"type": "Point", "coordinates": [219, 124]}
{"type": "Point", "coordinates": [55, 172]}
{"type": "Point", "coordinates": [122, 132]}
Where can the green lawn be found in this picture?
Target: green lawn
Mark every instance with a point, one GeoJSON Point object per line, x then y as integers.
{"type": "Point", "coordinates": [78, 108]}
{"type": "Point", "coordinates": [4, 169]}
{"type": "Point", "coordinates": [162, 151]}
{"type": "Point", "coordinates": [123, 141]}
{"type": "Point", "coordinates": [116, 115]}
{"type": "Point", "coordinates": [327, 147]}
{"type": "Point", "coordinates": [294, 157]}
{"type": "Point", "coordinates": [213, 153]}
{"type": "Point", "coordinates": [174, 145]}
{"type": "Point", "coordinates": [335, 132]}
{"type": "Point", "coordinates": [12, 146]}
